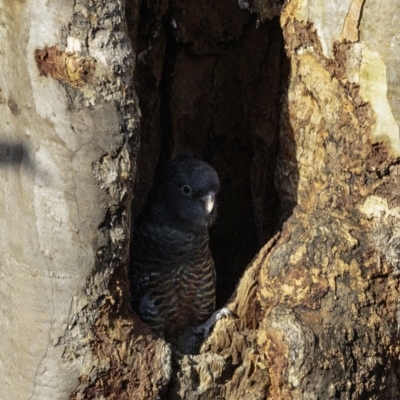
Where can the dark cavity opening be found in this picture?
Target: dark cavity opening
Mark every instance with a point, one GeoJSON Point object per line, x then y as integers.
{"type": "Point", "coordinates": [209, 77]}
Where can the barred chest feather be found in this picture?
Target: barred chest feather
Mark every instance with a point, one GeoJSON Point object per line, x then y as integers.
{"type": "Point", "coordinates": [173, 279]}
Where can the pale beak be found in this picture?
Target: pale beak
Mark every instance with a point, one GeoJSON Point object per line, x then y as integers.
{"type": "Point", "coordinates": [209, 201]}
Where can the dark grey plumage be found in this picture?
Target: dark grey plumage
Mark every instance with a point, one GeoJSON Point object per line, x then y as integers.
{"type": "Point", "coordinates": [172, 272]}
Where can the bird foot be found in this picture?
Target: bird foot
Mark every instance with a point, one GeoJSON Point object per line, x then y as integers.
{"type": "Point", "coordinates": [205, 327]}
{"type": "Point", "coordinates": [190, 341]}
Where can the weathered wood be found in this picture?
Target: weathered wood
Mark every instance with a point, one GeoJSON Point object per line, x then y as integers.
{"type": "Point", "coordinates": [330, 286]}
{"type": "Point", "coordinates": [326, 294]}
{"type": "Point", "coordinates": [69, 124]}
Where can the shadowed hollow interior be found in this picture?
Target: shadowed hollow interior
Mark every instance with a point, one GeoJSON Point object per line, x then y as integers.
{"type": "Point", "coordinates": [209, 77]}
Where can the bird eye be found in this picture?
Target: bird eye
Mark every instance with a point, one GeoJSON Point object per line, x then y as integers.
{"type": "Point", "coordinates": [186, 189]}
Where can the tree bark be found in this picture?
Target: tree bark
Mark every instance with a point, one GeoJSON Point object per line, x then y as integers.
{"type": "Point", "coordinates": [330, 287]}
{"type": "Point", "coordinates": [69, 139]}
{"type": "Point", "coordinates": [318, 307]}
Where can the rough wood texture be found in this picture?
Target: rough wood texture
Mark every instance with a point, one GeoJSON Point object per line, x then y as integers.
{"type": "Point", "coordinates": [230, 365]}
{"type": "Point", "coordinates": [69, 138]}
{"type": "Point", "coordinates": [330, 286]}
{"type": "Point", "coordinates": [318, 307]}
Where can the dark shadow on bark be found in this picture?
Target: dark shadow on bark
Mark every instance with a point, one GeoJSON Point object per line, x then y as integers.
{"type": "Point", "coordinates": [11, 153]}
{"type": "Point", "coordinates": [14, 154]}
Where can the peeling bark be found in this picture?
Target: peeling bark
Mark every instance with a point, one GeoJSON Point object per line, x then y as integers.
{"type": "Point", "coordinates": [67, 67]}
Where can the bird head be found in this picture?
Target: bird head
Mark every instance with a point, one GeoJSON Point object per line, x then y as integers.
{"type": "Point", "coordinates": [186, 193]}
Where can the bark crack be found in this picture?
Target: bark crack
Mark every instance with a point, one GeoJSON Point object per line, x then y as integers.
{"type": "Point", "coordinates": [170, 56]}
{"type": "Point", "coordinates": [352, 21]}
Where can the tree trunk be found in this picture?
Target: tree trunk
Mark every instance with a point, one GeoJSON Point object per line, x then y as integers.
{"type": "Point", "coordinates": [317, 309]}
{"type": "Point", "coordinates": [69, 138]}
{"type": "Point", "coordinates": [300, 119]}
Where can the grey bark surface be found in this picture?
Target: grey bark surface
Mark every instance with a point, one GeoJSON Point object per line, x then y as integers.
{"type": "Point", "coordinates": [69, 136]}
